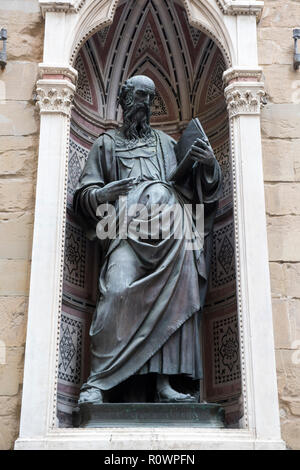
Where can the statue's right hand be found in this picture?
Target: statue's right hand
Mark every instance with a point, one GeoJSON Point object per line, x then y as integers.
{"type": "Point", "coordinates": [112, 191]}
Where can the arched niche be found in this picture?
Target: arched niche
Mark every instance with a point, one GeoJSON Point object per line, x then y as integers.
{"type": "Point", "coordinates": [155, 39]}
{"type": "Point", "coordinates": [232, 25]}
{"type": "Point", "coordinates": [202, 14]}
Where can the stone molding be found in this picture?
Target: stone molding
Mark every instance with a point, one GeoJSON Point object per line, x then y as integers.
{"type": "Point", "coordinates": [55, 96]}
{"type": "Point", "coordinates": [241, 7]}
{"type": "Point", "coordinates": [228, 7]}
{"type": "Point", "coordinates": [63, 6]}
{"type": "Point", "coordinates": [58, 72]}
{"type": "Point", "coordinates": [57, 5]}
{"type": "Point", "coordinates": [242, 74]}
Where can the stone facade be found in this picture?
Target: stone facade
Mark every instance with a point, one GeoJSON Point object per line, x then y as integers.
{"type": "Point", "coordinates": [18, 164]}
{"type": "Point", "coordinates": [281, 159]}
{"type": "Point", "coordinates": [19, 124]}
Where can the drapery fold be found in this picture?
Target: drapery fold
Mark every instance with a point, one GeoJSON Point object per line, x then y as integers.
{"type": "Point", "coordinates": [148, 291]}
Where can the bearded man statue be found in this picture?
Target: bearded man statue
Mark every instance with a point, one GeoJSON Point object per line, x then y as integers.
{"type": "Point", "coordinates": [151, 291]}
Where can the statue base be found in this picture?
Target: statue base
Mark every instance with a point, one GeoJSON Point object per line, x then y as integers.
{"type": "Point", "coordinates": [202, 415]}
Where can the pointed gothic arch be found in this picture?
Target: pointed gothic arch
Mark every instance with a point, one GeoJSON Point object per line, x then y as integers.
{"type": "Point", "coordinates": [68, 25]}
{"type": "Point", "coordinates": [201, 14]}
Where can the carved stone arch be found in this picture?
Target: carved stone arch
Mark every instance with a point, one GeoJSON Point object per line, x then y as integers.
{"type": "Point", "coordinates": [207, 18]}
{"type": "Point", "coordinates": [96, 15]}
{"type": "Point", "coordinates": [93, 16]}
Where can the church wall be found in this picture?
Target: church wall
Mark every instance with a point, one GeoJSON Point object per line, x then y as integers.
{"type": "Point", "coordinates": [281, 159]}
{"type": "Point", "coordinates": [19, 124]}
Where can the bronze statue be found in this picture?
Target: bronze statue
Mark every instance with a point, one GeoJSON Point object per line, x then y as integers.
{"type": "Point", "coordinates": [152, 291]}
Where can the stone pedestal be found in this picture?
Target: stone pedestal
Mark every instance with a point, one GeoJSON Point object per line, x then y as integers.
{"type": "Point", "coordinates": [208, 415]}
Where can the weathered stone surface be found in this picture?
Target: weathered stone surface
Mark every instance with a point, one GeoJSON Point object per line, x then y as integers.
{"type": "Point", "coordinates": [275, 76]}
{"type": "Point", "coordinates": [288, 374]}
{"type": "Point", "coordinates": [292, 279]}
{"type": "Point", "coordinates": [26, 7]}
{"type": "Point", "coordinates": [9, 429]}
{"type": "Point", "coordinates": [280, 13]}
{"type": "Point", "coordinates": [14, 275]}
{"type": "Point", "coordinates": [275, 46]}
{"type": "Point", "coordinates": [281, 160]}
{"type": "Point", "coordinates": [18, 163]}
{"type": "Point", "coordinates": [16, 229]}
{"type": "Point", "coordinates": [26, 42]}
{"type": "Point", "coordinates": [19, 124]}
{"type": "Point", "coordinates": [16, 195]}
{"type": "Point", "coordinates": [283, 238]}
{"type": "Point", "coordinates": [11, 372]}
{"type": "Point", "coordinates": [20, 80]}
{"type": "Point", "coordinates": [281, 121]}
{"type": "Point", "coordinates": [294, 319]}
{"type": "Point", "coordinates": [9, 380]}
{"type": "Point", "coordinates": [286, 320]}
{"type": "Point", "coordinates": [13, 314]}
{"type": "Point", "coordinates": [282, 327]}
{"type": "Point", "coordinates": [10, 405]}
{"type": "Point", "coordinates": [291, 433]}
{"type": "Point", "coordinates": [282, 198]}
{"type": "Point", "coordinates": [285, 279]}
{"type": "Point", "coordinates": [26, 28]}
{"type": "Point", "coordinates": [10, 143]}
{"type": "Point", "coordinates": [17, 118]}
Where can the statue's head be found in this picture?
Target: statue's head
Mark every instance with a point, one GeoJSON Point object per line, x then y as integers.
{"type": "Point", "coordinates": [136, 98]}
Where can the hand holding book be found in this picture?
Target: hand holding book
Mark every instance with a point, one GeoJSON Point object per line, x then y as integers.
{"type": "Point", "coordinates": [202, 152]}
{"type": "Point", "coordinates": [192, 146]}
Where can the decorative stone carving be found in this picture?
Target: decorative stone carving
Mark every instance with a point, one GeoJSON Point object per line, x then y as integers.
{"type": "Point", "coordinates": [243, 100]}
{"type": "Point", "coordinates": [228, 7]}
{"type": "Point", "coordinates": [245, 92]}
{"type": "Point", "coordinates": [58, 72]}
{"type": "Point", "coordinates": [241, 7]}
{"type": "Point", "coordinates": [55, 96]}
{"type": "Point", "coordinates": [61, 5]}
{"type": "Point", "coordinates": [57, 5]}
{"type": "Point", "coordinates": [242, 74]}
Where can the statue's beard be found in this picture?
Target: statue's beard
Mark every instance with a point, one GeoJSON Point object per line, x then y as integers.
{"type": "Point", "coordinates": [136, 121]}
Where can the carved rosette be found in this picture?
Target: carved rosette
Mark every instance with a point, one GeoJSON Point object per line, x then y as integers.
{"type": "Point", "coordinates": [55, 96]}
{"type": "Point", "coordinates": [245, 92]}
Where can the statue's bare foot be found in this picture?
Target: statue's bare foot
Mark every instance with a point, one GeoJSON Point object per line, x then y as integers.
{"type": "Point", "coordinates": [91, 395]}
{"type": "Point", "coordinates": [168, 395]}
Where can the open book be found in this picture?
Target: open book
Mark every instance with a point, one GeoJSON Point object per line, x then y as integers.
{"type": "Point", "coordinates": [185, 162]}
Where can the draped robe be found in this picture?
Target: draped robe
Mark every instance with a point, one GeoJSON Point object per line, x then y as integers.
{"type": "Point", "coordinates": [151, 294]}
